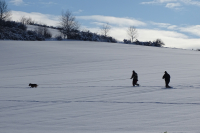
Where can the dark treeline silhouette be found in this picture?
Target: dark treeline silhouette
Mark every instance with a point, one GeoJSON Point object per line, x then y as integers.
{"type": "Point", "coordinates": [89, 36]}
{"type": "Point", "coordinates": [10, 30]}
{"type": "Point", "coordinates": [69, 28]}
{"type": "Point", "coordinates": [156, 43]}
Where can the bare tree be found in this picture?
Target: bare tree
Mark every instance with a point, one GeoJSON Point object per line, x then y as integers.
{"type": "Point", "coordinates": [68, 24]}
{"type": "Point", "coordinates": [4, 11]}
{"type": "Point", "coordinates": [23, 20]}
{"type": "Point", "coordinates": [132, 32]}
{"type": "Point", "coordinates": [43, 31]}
{"type": "Point", "coordinates": [105, 29]}
{"type": "Point", "coordinates": [27, 21]}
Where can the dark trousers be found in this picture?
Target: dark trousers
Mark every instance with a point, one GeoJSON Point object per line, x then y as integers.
{"type": "Point", "coordinates": [134, 82]}
{"type": "Point", "coordinates": [167, 83]}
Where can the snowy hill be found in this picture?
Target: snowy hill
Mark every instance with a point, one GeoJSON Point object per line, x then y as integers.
{"type": "Point", "coordinates": [54, 32]}
{"type": "Point", "coordinates": [85, 87]}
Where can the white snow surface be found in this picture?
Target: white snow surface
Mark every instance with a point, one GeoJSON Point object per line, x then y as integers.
{"type": "Point", "coordinates": [85, 87]}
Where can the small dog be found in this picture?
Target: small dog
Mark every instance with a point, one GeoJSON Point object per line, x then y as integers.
{"type": "Point", "coordinates": [33, 85]}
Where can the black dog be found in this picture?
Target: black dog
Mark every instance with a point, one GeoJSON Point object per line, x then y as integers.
{"type": "Point", "coordinates": [33, 85]}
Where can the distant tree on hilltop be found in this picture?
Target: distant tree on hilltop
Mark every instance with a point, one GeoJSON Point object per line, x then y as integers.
{"type": "Point", "coordinates": [68, 24]}
{"type": "Point", "coordinates": [27, 21]}
{"type": "Point", "coordinates": [105, 29]}
{"type": "Point", "coordinates": [4, 11]}
{"type": "Point", "coordinates": [132, 32]}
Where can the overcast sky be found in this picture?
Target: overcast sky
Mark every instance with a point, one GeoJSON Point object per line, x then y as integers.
{"type": "Point", "coordinates": [176, 22]}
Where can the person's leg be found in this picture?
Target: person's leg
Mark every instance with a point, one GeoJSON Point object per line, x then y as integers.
{"type": "Point", "coordinates": [167, 83]}
{"type": "Point", "coordinates": [135, 83]}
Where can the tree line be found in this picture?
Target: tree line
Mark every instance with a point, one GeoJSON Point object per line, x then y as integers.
{"type": "Point", "coordinates": [69, 28]}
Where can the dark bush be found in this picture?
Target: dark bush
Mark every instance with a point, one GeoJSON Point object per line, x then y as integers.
{"type": "Point", "coordinates": [89, 36]}
{"type": "Point", "coordinates": [157, 43]}
{"type": "Point", "coordinates": [11, 30]}
{"type": "Point", "coordinates": [58, 37]}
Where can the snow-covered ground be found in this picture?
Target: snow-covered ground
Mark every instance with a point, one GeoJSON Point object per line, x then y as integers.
{"type": "Point", "coordinates": [85, 87]}
{"type": "Point", "coordinates": [54, 32]}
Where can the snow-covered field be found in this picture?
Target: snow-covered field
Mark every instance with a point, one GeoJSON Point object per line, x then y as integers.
{"type": "Point", "coordinates": [85, 87]}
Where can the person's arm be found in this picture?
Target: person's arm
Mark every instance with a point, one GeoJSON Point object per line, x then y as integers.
{"type": "Point", "coordinates": [163, 76]}
{"type": "Point", "coordinates": [131, 76]}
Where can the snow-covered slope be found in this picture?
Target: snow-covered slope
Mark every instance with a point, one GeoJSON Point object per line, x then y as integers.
{"type": "Point", "coordinates": [85, 87]}
{"type": "Point", "coordinates": [54, 32]}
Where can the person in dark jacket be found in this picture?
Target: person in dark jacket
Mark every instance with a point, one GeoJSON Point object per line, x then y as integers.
{"type": "Point", "coordinates": [135, 78]}
{"type": "Point", "coordinates": [166, 76]}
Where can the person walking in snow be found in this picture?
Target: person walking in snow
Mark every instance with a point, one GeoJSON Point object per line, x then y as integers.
{"type": "Point", "coordinates": [166, 76]}
{"type": "Point", "coordinates": [135, 78]}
